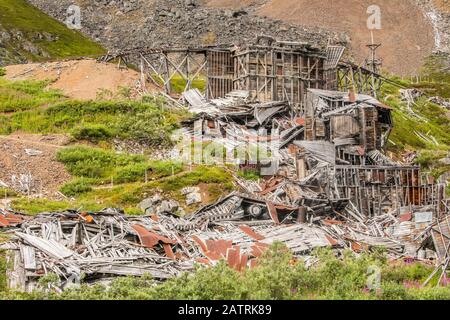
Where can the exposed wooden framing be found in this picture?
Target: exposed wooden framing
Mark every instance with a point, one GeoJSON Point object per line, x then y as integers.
{"type": "Point", "coordinates": [358, 79]}
{"type": "Point", "coordinates": [371, 187]}
{"type": "Point", "coordinates": [276, 72]}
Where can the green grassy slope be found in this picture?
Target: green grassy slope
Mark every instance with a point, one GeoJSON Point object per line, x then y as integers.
{"type": "Point", "coordinates": [32, 35]}
{"type": "Point", "coordinates": [425, 130]}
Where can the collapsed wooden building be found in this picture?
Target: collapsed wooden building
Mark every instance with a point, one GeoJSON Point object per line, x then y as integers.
{"type": "Point", "coordinates": [270, 70]}
{"type": "Point", "coordinates": [357, 128]}
{"type": "Point", "coordinates": [324, 106]}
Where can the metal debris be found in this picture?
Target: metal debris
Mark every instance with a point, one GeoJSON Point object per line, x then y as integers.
{"type": "Point", "coordinates": [325, 179]}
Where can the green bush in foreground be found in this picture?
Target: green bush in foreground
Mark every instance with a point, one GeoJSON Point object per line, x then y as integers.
{"type": "Point", "coordinates": [26, 95]}
{"type": "Point", "coordinates": [29, 106]}
{"type": "Point", "coordinates": [76, 187]}
{"type": "Point", "coordinates": [277, 277]}
{"type": "Point", "coordinates": [3, 285]}
{"type": "Point", "coordinates": [6, 192]}
{"type": "Point", "coordinates": [101, 164]}
{"type": "Point", "coordinates": [92, 132]}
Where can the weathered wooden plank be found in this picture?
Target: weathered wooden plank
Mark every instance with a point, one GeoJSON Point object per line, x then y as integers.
{"type": "Point", "coordinates": [50, 247]}
{"type": "Point", "coordinates": [29, 257]}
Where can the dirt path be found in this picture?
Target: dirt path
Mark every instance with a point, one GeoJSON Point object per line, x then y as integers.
{"type": "Point", "coordinates": [29, 141]}
{"type": "Point", "coordinates": [33, 156]}
{"type": "Point", "coordinates": [80, 79]}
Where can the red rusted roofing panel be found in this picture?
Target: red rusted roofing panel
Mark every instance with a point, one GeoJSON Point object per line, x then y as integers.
{"type": "Point", "coordinates": [14, 218]}
{"type": "Point", "coordinates": [147, 239]}
{"type": "Point", "coordinates": [221, 247]}
{"type": "Point", "coordinates": [269, 189]}
{"type": "Point", "coordinates": [200, 243]}
{"type": "Point", "coordinates": [213, 256]}
{"type": "Point", "coordinates": [203, 260]}
{"type": "Point", "coordinates": [253, 263]}
{"type": "Point", "coordinates": [150, 239]}
{"type": "Point", "coordinates": [300, 121]}
{"type": "Point", "coordinates": [406, 217]}
{"type": "Point", "coordinates": [9, 219]}
{"type": "Point", "coordinates": [233, 259]}
{"type": "Point", "coordinates": [257, 251]}
{"type": "Point", "coordinates": [329, 222]}
{"type": "Point", "coordinates": [211, 245]}
{"type": "Point", "coordinates": [164, 239]}
{"type": "Point", "coordinates": [244, 261]}
{"type": "Point", "coordinates": [262, 245]}
{"type": "Point", "coordinates": [168, 250]}
{"type": "Point", "coordinates": [273, 212]}
{"type": "Point", "coordinates": [332, 241]}
{"type": "Point", "coordinates": [251, 233]}
{"type": "Point", "coordinates": [356, 247]}
{"type": "Point", "coordinates": [3, 222]}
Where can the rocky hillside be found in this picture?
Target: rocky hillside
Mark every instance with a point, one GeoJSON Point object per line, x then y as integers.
{"type": "Point", "coordinates": [411, 29]}
{"type": "Point", "coordinates": [438, 12]}
{"type": "Point", "coordinates": [136, 23]}
{"type": "Point", "coordinates": [124, 24]}
{"type": "Point", "coordinates": [27, 34]}
{"type": "Point", "coordinates": [162, 22]}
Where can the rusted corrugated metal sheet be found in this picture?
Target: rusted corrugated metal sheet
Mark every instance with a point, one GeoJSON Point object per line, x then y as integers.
{"type": "Point", "coordinates": [273, 212]}
{"type": "Point", "coordinates": [251, 233]}
{"type": "Point", "coordinates": [3, 222]}
{"type": "Point", "coordinates": [11, 220]}
{"type": "Point", "coordinates": [150, 239]}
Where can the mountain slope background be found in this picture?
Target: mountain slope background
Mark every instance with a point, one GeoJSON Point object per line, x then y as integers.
{"type": "Point", "coordinates": [408, 35]}
{"type": "Point", "coordinates": [411, 29]}
{"type": "Point", "coordinates": [27, 34]}
{"type": "Point", "coordinates": [43, 98]}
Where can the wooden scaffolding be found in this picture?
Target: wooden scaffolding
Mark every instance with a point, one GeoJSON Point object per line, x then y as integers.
{"type": "Point", "coordinates": [273, 71]}
{"type": "Point", "coordinates": [375, 189]}
{"type": "Point", "coordinates": [278, 73]}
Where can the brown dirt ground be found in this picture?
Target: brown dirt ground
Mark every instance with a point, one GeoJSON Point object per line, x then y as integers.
{"type": "Point", "coordinates": [78, 79]}
{"type": "Point", "coordinates": [45, 169]}
{"type": "Point", "coordinates": [443, 5]}
{"type": "Point", "coordinates": [407, 36]}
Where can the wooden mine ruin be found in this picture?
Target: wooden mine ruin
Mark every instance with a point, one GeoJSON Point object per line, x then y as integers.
{"type": "Point", "coordinates": [333, 100]}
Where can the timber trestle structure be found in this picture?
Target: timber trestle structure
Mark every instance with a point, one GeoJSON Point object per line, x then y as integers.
{"type": "Point", "coordinates": [269, 70]}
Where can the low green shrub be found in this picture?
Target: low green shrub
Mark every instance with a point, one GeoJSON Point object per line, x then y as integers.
{"type": "Point", "coordinates": [26, 95]}
{"type": "Point", "coordinates": [429, 158]}
{"type": "Point", "coordinates": [252, 175]}
{"type": "Point", "coordinates": [76, 187]}
{"type": "Point", "coordinates": [131, 173]}
{"type": "Point", "coordinates": [86, 162]}
{"type": "Point", "coordinates": [33, 108]}
{"type": "Point", "coordinates": [150, 127]}
{"type": "Point", "coordinates": [6, 192]}
{"type": "Point", "coordinates": [92, 132]}
{"type": "Point", "coordinates": [277, 277]}
{"type": "Point", "coordinates": [201, 174]}
{"type": "Point", "coordinates": [96, 163]}
{"type": "Point", "coordinates": [3, 267]}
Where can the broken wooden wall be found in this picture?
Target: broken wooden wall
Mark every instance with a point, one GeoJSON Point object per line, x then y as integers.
{"type": "Point", "coordinates": [376, 189]}
{"type": "Point", "coordinates": [278, 74]}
